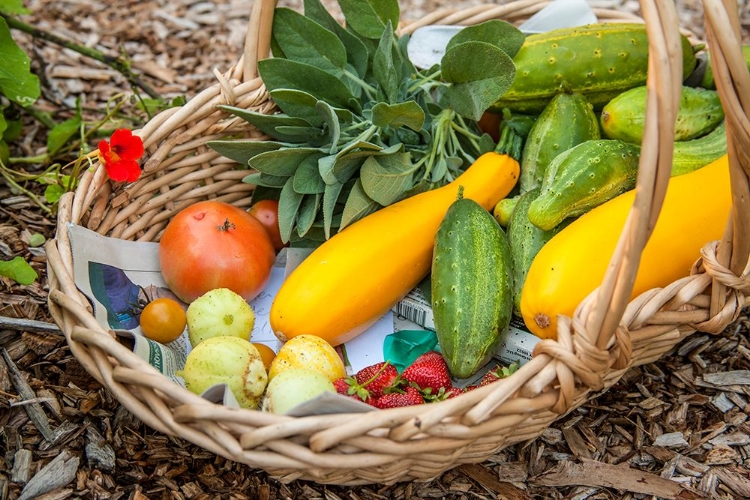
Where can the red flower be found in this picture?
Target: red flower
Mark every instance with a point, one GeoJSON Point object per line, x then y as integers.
{"type": "Point", "coordinates": [120, 155]}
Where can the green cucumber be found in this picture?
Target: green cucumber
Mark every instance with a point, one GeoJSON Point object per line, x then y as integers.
{"type": "Point", "coordinates": [624, 116]}
{"type": "Point", "coordinates": [598, 60]}
{"type": "Point", "coordinates": [582, 178]}
{"type": "Point", "coordinates": [566, 121]}
{"type": "Point", "coordinates": [692, 155]}
{"type": "Point", "coordinates": [525, 242]}
{"type": "Point", "coordinates": [504, 209]}
{"type": "Point", "coordinates": [471, 286]}
{"type": "Point", "coordinates": [708, 82]}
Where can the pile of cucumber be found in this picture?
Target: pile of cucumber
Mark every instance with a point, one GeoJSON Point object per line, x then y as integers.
{"type": "Point", "coordinates": [584, 90]}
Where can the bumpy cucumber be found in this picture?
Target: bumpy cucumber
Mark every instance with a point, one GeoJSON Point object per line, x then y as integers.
{"type": "Point", "coordinates": [624, 116]}
{"type": "Point", "coordinates": [471, 286]}
{"type": "Point", "coordinates": [525, 242]}
{"type": "Point", "coordinates": [582, 178]}
{"type": "Point", "coordinates": [708, 81]}
{"type": "Point", "coordinates": [692, 155]}
{"type": "Point", "coordinates": [598, 60]}
{"type": "Point", "coordinates": [566, 121]}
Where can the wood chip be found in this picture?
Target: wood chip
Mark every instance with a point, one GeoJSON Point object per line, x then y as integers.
{"type": "Point", "coordinates": [34, 410]}
{"type": "Point", "coordinates": [591, 473]}
{"type": "Point", "coordinates": [56, 474]}
{"type": "Point", "coordinates": [736, 377]}
{"type": "Point", "coordinates": [489, 481]}
{"type": "Point", "coordinates": [671, 440]}
{"type": "Point", "coordinates": [21, 471]}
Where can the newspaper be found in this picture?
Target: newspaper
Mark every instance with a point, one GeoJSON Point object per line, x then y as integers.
{"type": "Point", "coordinates": [118, 276]}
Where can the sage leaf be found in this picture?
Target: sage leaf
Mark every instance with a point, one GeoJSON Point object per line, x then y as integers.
{"type": "Point", "coordinates": [289, 203]}
{"type": "Point", "coordinates": [242, 150]}
{"type": "Point", "coordinates": [356, 51]}
{"type": "Point", "coordinates": [302, 39]}
{"type": "Point", "coordinates": [325, 168]}
{"type": "Point", "coordinates": [369, 18]}
{"type": "Point", "coordinates": [268, 124]}
{"type": "Point", "coordinates": [307, 178]}
{"type": "Point", "coordinates": [282, 162]}
{"type": "Point", "coordinates": [287, 74]}
{"type": "Point", "coordinates": [307, 213]}
{"type": "Point", "coordinates": [501, 34]}
{"type": "Point", "coordinates": [334, 127]}
{"type": "Point", "coordinates": [17, 82]}
{"type": "Point", "coordinates": [404, 114]}
{"type": "Point", "coordinates": [480, 74]}
{"type": "Point", "coordinates": [386, 177]}
{"type": "Point", "coordinates": [18, 270]}
{"type": "Point", "coordinates": [264, 193]}
{"type": "Point", "coordinates": [303, 105]}
{"type": "Point", "coordinates": [265, 180]}
{"type": "Point", "coordinates": [314, 135]}
{"type": "Point", "coordinates": [330, 197]}
{"type": "Point", "coordinates": [358, 205]}
{"type": "Point", "coordinates": [383, 66]}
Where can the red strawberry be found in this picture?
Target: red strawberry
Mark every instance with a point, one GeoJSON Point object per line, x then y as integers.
{"type": "Point", "coordinates": [497, 373]}
{"type": "Point", "coordinates": [344, 386]}
{"type": "Point", "coordinates": [429, 372]}
{"type": "Point", "coordinates": [411, 397]}
{"type": "Point", "coordinates": [377, 379]}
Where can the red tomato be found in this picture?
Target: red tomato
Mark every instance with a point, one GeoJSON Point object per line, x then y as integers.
{"type": "Point", "coordinates": [267, 213]}
{"type": "Point", "coordinates": [212, 244]}
{"type": "Point", "coordinates": [490, 124]}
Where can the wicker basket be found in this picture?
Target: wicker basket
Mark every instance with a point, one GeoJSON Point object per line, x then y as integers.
{"type": "Point", "coordinates": [606, 336]}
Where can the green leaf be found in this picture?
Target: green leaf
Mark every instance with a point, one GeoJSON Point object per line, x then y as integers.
{"type": "Point", "coordinates": [3, 126]}
{"type": "Point", "coordinates": [268, 124]}
{"type": "Point", "coordinates": [369, 18]}
{"type": "Point", "coordinates": [53, 193]}
{"type": "Point", "coordinates": [265, 180]}
{"type": "Point", "coordinates": [264, 193]}
{"type": "Point", "coordinates": [16, 80]}
{"type": "Point", "coordinates": [37, 240]}
{"type": "Point", "coordinates": [287, 74]}
{"type": "Point", "coordinates": [13, 7]}
{"type": "Point", "coordinates": [303, 40]}
{"type": "Point", "coordinates": [62, 132]}
{"type": "Point", "coordinates": [242, 150]}
{"type": "Point", "coordinates": [501, 34]}
{"type": "Point", "coordinates": [307, 178]}
{"type": "Point", "coordinates": [384, 64]}
{"type": "Point", "coordinates": [480, 74]}
{"type": "Point", "coordinates": [281, 162]}
{"type": "Point", "coordinates": [303, 105]}
{"type": "Point", "coordinates": [358, 205]}
{"type": "Point", "coordinates": [334, 127]}
{"type": "Point", "coordinates": [13, 130]}
{"type": "Point", "coordinates": [386, 177]}
{"type": "Point", "coordinates": [307, 213]}
{"type": "Point", "coordinates": [330, 197]}
{"type": "Point", "coordinates": [404, 114]}
{"type": "Point", "coordinates": [356, 51]}
{"type": "Point", "coordinates": [18, 270]}
{"type": "Point", "coordinates": [289, 203]}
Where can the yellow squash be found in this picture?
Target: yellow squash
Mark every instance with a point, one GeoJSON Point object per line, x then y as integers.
{"type": "Point", "coordinates": [573, 263]}
{"type": "Point", "coordinates": [353, 279]}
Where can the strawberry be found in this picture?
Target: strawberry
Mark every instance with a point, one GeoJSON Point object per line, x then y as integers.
{"type": "Point", "coordinates": [497, 373]}
{"type": "Point", "coordinates": [410, 397]}
{"type": "Point", "coordinates": [377, 379]}
{"type": "Point", "coordinates": [344, 386]}
{"type": "Point", "coordinates": [429, 372]}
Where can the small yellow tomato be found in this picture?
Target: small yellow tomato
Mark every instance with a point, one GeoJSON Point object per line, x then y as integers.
{"type": "Point", "coordinates": [163, 320]}
{"type": "Point", "coordinates": [311, 352]}
{"type": "Point", "coordinates": [266, 354]}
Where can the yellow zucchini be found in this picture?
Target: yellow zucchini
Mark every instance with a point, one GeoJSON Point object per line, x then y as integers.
{"type": "Point", "coordinates": [573, 263]}
{"type": "Point", "coordinates": [354, 278]}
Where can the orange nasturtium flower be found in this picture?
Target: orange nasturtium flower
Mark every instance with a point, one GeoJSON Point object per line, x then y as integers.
{"type": "Point", "coordinates": [121, 154]}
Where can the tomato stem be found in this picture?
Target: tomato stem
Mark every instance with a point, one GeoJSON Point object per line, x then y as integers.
{"type": "Point", "coordinates": [226, 226]}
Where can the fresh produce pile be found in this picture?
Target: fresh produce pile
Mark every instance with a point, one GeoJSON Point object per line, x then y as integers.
{"type": "Point", "coordinates": [393, 176]}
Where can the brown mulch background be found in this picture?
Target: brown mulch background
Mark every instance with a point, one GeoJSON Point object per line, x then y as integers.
{"type": "Point", "coordinates": [677, 428]}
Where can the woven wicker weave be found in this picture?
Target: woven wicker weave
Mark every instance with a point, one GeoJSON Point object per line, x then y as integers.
{"type": "Point", "coordinates": [606, 336]}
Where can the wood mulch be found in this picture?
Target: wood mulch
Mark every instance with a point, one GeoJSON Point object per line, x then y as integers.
{"type": "Point", "coordinates": [677, 428]}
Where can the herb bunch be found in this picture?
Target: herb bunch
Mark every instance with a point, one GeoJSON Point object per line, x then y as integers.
{"type": "Point", "coordinates": [360, 127]}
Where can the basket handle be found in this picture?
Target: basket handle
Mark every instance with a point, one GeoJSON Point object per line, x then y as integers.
{"type": "Point", "coordinates": [258, 37]}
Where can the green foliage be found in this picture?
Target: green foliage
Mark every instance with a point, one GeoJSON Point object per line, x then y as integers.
{"type": "Point", "coordinates": [18, 270]}
{"type": "Point", "coordinates": [360, 127]}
